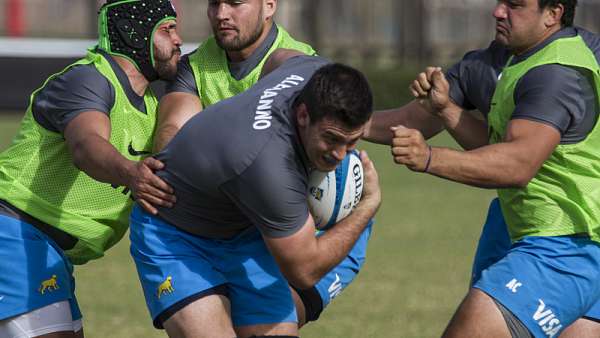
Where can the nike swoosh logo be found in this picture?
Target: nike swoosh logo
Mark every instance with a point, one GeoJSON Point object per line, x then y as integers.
{"type": "Point", "coordinates": [134, 152]}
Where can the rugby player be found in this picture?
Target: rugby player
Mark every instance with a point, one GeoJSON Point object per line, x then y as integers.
{"type": "Point", "coordinates": [214, 264]}
{"type": "Point", "coordinates": [226, 64]}
{"type": "Point", "coordinates": [545, 106]}
{"type": "Point", "coordinates": [67, 180]}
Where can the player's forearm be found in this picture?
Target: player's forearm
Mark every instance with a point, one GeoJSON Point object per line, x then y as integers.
{"type": "Point", "coordinates": [174, 111]}
{"type": "Point", "coordinates": [332, 247]}
{"type": "Point", "coordinates": [164, 134]}
{"type": "Point", "coordinates": [469, 131]}
{"type": "Point", "coordinates": [100, 160]}
{"type": "Point", "coordinates": [412, 116]}
{"type": "Point", "coordinates": [494, 166]}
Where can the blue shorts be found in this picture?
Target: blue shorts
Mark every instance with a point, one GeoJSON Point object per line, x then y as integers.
{"type": "Point", "coordinates": [336, 280]}
{"type": "Point", "coordinates": [35, 271]}
{"type": "Point", "coordinates": [494, 244]}
{"type": "Point", "coordinates": [494, 241]}
{"type": "Point", "coordinates": [175, 266]}
{"type": "Point", "coordinates": [546, 282]}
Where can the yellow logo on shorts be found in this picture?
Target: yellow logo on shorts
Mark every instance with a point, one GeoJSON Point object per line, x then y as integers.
{"type": "Point", "coordinates": [48, 285]}
{"type": "Point", "coordinates": [165, 287]}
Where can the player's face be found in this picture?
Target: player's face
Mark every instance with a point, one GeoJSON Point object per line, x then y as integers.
{"type": "Point", "coordinates": [520, 24]}
{"type": "Point", "coordinates": [327, 142]}
{"type": "Point", "coordinates": [239, 24]}
{"type": "Point", "coordinates": [167, 50]}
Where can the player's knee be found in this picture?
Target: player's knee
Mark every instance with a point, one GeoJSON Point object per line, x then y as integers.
{"type": "Point", "coordinates": [313, 304]}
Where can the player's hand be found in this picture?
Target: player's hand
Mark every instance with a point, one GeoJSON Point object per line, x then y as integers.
{"type": "Point", "coordinates": [371, 190]}
{"type": "Point", "coordinates": [431, 89]}
{"type": "Point", "coordinates": [410, 149]}
{"type": "Point", "coordinates": [148, 189]}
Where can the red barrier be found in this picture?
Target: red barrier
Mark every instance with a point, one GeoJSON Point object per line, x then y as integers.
{"type": "Point", "coordinates": [15, 18]}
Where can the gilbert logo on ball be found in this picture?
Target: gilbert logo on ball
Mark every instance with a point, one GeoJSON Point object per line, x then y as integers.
{"type": "Point", "coordinates": [332, 195]}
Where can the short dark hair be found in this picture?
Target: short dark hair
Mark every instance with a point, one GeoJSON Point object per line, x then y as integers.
{"type": "Point", "coordinates": [340, 92]}
{"type": "Point", "coordinates": [569, 5]}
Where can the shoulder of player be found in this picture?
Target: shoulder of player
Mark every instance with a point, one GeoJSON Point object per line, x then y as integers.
{"type": "Point", "coordinates": [81, 79]}
{"type": "Point", "coordinates": [305, 62]}
{"type": "Point", "coordinates": [185, 62]}
{"type": "Point", "coordinates": [494, 54]}
{"type": "Point", "coordinates": [551, 81]}
{"type": "Point", "coordinates": [591, 40]}
{"type": "Point", "coordinates": [83, 73]}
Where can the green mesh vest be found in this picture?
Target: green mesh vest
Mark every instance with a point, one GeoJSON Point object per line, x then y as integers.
{"type": "Point", "coordinates": [211, 71]}
{"type": "Point", "coordinates": [37, 174]}
{"type": "Point", "coordinates": [564, 196]}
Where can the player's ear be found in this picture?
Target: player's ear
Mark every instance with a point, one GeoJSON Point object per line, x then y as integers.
{"type": "Point", "coordinates": [269, 8]}
{"type": "Point", "coordinates": [302, 115]}
{"type": "Point", "coordinates": [553, 15]}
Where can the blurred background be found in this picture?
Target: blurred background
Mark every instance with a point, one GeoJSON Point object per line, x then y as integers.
{"type": "Point", "coordinates": [379, 35]}
{"type": "Point", "coordinates": [419, 260]}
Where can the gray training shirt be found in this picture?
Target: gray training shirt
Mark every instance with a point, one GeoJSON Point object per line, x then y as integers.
{"type": "Point", "coordinates": [82, 88]}
{"type": "Point", "coordinates": [559, 96]}
{"type": "Point", "coordinates": [239, 163]}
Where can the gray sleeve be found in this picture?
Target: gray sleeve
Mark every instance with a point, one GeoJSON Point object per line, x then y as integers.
{"type": "Point", "coordinates": [272, 194]}
{"type": "Point", "coordinates": [473, 79]}
{"type": "Point", "coordinates": [559, 96]}
{"type": "Point", "coordinates": [80, 89]}
{"type": "Point", "coordinates": [184, 81]}
{"type": "Point", "coordinates": [458, 84]}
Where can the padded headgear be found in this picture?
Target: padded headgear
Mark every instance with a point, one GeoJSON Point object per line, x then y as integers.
{"type": "Point", "coordinates": [126, 28]}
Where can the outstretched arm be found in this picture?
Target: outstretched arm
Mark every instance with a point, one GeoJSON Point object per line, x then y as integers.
{"type": "Point", "coordinates": [512, 163]}
{"type": "Point", "coordinates": [431, 90]}
{"type": "Point", "coordinates": [87, 137]}
{"type": "Point", "coordinates": [413, 115]}
{"type": "Point", "coordinates": [431, 112]}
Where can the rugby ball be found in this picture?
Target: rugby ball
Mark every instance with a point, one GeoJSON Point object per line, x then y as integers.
{"type": "Point", "coordinates": [332, 195]}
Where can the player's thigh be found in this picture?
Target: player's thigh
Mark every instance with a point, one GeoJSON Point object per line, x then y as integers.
{"type": "Point", "coordinates": [582, 328]}
{"type": "Point", "coordinates": [52, 321]}
{"type": "Point", "coordinates": [300, 308]}
{"type": "Point", "coordinates": [278, 329]}
{"type": "Point", "coordinates": [174, 267]}
{"type": "Point", "coordinates": [478, 316]}
{"type": "Point", "coordinates": [545, 283]}
{"type": "Point", "coordinates": [586, 327]}
{"type": "Point", "coordinates": [206, 317]}
{"type": "Point", "coordinates": [258, 291]}
{"type": "Point", "coordinates": [39, 274]}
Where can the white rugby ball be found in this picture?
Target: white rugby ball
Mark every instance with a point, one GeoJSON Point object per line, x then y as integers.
{"type": "Point", "coordinates": [332, 195]}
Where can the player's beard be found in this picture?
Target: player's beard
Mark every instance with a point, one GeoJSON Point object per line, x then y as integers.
{"type": "Point", "coordinates": [240, 43]}
{"type": "Point", "coordinates": [164, 65]}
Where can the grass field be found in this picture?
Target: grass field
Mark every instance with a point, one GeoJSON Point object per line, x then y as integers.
{"type": "Point", "coordinates": [417, 268]}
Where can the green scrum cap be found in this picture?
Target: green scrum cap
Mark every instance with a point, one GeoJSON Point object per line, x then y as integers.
{"type": "Point", "coordinates": [126, 28]}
